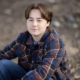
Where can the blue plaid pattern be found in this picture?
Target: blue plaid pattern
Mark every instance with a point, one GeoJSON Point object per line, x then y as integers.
{"type": "Point", "coordinates": [48, 59]}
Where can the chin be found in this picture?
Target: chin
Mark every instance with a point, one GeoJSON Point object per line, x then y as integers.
{"type": "Point", "coordinates": [34, 34]}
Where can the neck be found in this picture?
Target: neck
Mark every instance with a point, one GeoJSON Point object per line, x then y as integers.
{"type": "Point", "coordinates": [37, 38]}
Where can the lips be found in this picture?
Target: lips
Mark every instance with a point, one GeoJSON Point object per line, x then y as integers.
{"type": "Point", "coordinates": [34, 29]}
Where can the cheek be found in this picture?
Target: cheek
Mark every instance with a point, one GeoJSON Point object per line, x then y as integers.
{"type": "Point", "coordinates": [42, 26]}
{"type": "Point", "coordinates": [28, 25]}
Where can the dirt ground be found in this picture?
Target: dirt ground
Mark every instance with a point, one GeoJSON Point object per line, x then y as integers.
{"type": "Point", "coordinates": [66, 12]}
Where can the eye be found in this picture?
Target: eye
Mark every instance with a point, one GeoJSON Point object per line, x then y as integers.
{"type": "Point", "coordinates": [30, 20]}
{"type": "Point", "coordinates": [39, 20]}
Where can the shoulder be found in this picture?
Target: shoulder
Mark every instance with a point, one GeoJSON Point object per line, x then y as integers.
{"type": "Point", "coordinates": [24, 33]}
{"type": "Point", "coordinates": [54, 38]}
{"type": "Point", "coordinates": [54, 34]}
{"type": "Point", "coordinates": [22, 36]}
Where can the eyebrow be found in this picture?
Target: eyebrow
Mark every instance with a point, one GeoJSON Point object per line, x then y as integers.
{"type": "Point", "coordinates": [37, 18]}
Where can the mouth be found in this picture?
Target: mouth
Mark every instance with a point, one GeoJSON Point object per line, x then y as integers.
{"type": "Point", "coordinates": [34, 29]}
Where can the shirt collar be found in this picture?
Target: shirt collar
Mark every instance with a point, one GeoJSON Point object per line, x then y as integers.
{"type": "Point", "coordinates": [42, 40]}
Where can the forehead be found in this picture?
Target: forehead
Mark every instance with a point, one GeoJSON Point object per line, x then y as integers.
{"type": "Point", "coordinates": [34, 13]}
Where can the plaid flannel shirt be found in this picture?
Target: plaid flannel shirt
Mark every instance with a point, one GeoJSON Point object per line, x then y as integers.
{"type": "Point", "coordinates": [47, 60]}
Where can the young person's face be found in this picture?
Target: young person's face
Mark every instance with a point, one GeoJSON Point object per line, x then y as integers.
{"type": "Point", "coordinates": [36, 25]}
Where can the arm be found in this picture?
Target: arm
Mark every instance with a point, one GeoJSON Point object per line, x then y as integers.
{"type": "Point", "coordinates": [9, 51]}
{"type": "Point", "coordinates": [53, 56]}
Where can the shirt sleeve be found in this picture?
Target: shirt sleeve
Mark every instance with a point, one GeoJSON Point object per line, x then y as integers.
{"type": "Point", "coordinates": [52, 59]}
{"type": "Point", "coordinates": [9, 51]}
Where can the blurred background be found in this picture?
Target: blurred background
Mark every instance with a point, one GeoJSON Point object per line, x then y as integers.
{"type": "Point", "coordinates": [66, 21]}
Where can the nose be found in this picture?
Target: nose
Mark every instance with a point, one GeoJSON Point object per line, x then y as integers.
{"type": "Point", "coordinates": [34, 23]}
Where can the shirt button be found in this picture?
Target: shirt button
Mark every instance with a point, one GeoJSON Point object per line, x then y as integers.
{"type": "Point", "coordinates": [32, 61]}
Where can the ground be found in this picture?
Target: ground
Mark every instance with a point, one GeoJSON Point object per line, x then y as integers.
{"type": "Point", "coordinates": [65, 12]}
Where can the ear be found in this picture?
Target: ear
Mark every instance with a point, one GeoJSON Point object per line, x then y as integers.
{"type": "Point", "coordinates": [48, 23]}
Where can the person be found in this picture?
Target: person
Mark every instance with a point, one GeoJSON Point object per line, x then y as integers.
{"type": "Point", "coordinates": [40, 50]}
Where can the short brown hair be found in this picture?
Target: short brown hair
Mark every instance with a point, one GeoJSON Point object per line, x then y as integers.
{"type": "Point", "coordinates": [46, 12]}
